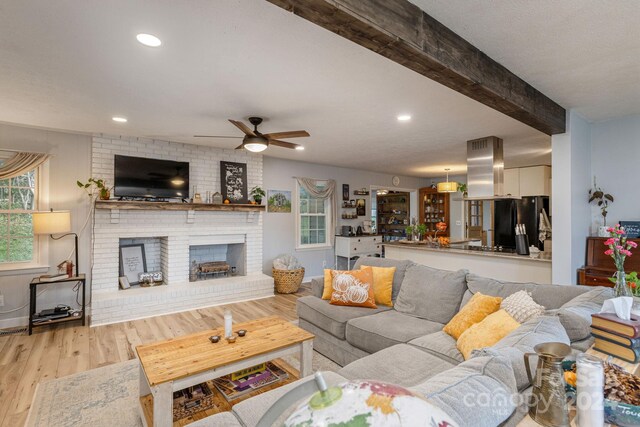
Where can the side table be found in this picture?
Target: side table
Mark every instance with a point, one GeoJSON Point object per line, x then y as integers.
{"type": "Point", "coordinates": [33, 289]}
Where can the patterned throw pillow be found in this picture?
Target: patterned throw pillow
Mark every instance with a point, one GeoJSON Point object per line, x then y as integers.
{"type": "Point", "coordinates": [521, 306]}
{"type": "Point", "coordinates": [353, 288]}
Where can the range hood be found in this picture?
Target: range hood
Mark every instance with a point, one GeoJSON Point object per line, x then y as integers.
{"type": "Point", "coordinates": [485, 169]}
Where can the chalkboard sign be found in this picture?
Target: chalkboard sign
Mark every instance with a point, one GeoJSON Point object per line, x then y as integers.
{"type": "Point", "coordinates": [233, 179]}
{"type": "Point", "coordinates": [632, 228]}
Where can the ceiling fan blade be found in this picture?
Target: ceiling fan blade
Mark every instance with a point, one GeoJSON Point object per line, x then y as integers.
{"type": "Point", "coordinates": [216, 136]}
{"type": "Point", "coordinates": [283, 143]}
{"type": "Point", "coordinates": [244, 128]}
{"type": "Point", "coordinates": [240, 147]}
{"type": "Point", "coordinates": [289, 134]}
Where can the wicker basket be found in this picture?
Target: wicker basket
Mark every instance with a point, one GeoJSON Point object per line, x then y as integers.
{"type": "Point", "coordinates": [288, 281]}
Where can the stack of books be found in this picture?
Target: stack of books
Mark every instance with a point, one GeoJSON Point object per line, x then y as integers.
{"type": "Point", "coordinates": [617, 337]}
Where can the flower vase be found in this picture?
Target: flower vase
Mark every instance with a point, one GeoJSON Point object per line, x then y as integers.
{"type": "Point", "coordinates": [621, 289]}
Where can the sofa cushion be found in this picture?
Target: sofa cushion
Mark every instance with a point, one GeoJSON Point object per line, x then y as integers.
{"type": "Point", "coordinates": [382, 330]}
{"type": "Point", "coordinates": [480, 392]}
{"type": "Point", "coordinates": [430, 293]}
{"type": "Point", "coordinates": [251, 410]}
{"type": "Point", "coordinates": [575, 315]}
{"type": "Point", "coordinates": [226, 419]}
{"type": "Point", "coordinates": [439, 344]}
{"type": "Point", "coordinates": [417, 366]}
{"type": "Point", "coordinates": [486, 333]}
{"type": "Point", "coordinates": [522, 340]}
{"type": "Point", "coordinates": [331, 318]}
{"type": "Point", "coordinates": [478, 308]}
{"type": "Point", "coordinates": [400, 265]}
{"type": "Point", "coordinates": [550, 296]}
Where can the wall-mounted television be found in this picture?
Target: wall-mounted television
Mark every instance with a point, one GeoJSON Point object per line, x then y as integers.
{"type": "Point", "coordinates": [150, 178]}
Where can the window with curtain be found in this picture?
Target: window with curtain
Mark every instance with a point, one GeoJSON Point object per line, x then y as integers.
{"type": "Point", "coordinates": [313, 218]}
{"type": "Point", "coordinates": [18, 200]}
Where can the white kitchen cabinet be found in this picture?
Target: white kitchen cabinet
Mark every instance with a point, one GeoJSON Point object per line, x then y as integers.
{"type": "Point", "coordinates": [512, 182]}
{"type": "Point", "coordinates": [350, 247]}
{"type": "Point", "coordinates": [535, 181]}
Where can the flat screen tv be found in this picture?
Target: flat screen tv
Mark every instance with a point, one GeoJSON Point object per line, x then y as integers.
{"type": "Point", "coordinates": [150, 178]}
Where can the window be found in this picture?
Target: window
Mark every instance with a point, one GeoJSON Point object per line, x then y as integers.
{"type": "Point", "coordinates": [17, 202]}
{"type": "Point", "coordinates": [313, 217]}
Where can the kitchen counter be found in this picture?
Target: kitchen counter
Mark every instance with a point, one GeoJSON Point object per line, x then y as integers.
{"type": "Point", "coordinates": [498, 265]}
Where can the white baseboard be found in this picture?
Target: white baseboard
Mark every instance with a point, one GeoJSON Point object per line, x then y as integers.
{"type": "Point", "coordinates": [12, 323]}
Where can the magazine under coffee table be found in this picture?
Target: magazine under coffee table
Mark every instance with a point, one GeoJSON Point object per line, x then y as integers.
{"type": "Point", "coordinates": [178, 363]}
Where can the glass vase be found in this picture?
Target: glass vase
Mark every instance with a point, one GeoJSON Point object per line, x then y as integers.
{"type": "Point", "coordinates": [621, 289]}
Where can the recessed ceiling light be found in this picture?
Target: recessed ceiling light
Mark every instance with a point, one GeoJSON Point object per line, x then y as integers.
{"type": "Point", "coordinates": [404, 118]}
{"type": "Point", "coordinates": [300, 147]}
{"type": "Point", "coordinates": [119, 119]}
{"type": "Point", "coordinates": [148, 40]}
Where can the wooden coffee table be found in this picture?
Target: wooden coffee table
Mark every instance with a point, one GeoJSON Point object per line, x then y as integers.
{"type": "Point", "coordinates": [178, 363]}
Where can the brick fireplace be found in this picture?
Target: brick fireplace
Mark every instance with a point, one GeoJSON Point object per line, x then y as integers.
{"type": "Point", "coordinates": [172, 238]}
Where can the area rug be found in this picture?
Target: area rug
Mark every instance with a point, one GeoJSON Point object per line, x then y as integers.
{"type": "Point", "coordinates": [106, 396]}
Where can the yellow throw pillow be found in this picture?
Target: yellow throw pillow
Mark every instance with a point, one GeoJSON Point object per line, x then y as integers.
{"type": "Point", "coordinates": [353, 288]}
{"type": "Point", "coordinates": [478, 307]}
{"type": "Point", "coordinates": [383, 284]}
{"type": "Point", "coordinates": [326, 292]}
{"type": "Point", "coordinates": [486, 333]}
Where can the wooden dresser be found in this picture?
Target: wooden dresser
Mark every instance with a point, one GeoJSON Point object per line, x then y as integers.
{"type": "Point", "coordinates": [599, 267]}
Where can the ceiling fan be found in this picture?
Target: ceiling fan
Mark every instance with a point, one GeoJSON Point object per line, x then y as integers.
{"type": "Point", "coordinates": [256, 142]}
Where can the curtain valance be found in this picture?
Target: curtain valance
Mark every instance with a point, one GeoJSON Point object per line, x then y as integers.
{"type": "Point", "coordinates": [21, 163]}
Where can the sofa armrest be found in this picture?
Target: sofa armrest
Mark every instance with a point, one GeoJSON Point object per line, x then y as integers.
{"type": "Point", "coordinates": [317, 287]}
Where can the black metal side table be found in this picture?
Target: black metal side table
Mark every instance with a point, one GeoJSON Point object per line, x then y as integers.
{"type": "Point", "coordinates": [33, 288]}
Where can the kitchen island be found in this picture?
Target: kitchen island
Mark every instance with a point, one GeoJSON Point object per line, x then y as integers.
{"type": "Point", "coordinates": [498, 265]}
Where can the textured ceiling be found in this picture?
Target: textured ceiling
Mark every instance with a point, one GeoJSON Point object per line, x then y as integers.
{"type": "Point", "coordinates": [72, 65]}
{"type": "Point", "coordinates": [583, 54]}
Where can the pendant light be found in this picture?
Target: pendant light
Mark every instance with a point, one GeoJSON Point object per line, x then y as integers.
{"type": "Point", "coordinates": [449, 186]}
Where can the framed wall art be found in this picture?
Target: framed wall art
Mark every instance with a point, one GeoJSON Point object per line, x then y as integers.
{"type": "Point", "coordinates": [132, 262]}
{"type": "Point", "coordinates": [345, 192]}
{"type": "Point", "coordinates": [361, 207]}
{"type": "Point", "coordinates": [233, 181]}
{"type": "Point", "coordinates": [279, 201]}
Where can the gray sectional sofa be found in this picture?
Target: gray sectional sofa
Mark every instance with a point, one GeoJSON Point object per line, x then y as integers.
{"type": "Point", "coordinates": [405, 344]}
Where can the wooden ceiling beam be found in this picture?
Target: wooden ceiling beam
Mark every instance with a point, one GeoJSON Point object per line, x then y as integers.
{"type": "Point", "coordinates": [403, 33]}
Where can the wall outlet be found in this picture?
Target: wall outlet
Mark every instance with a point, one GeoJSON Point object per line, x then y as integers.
{"type": "Point", "coordinates": [324, 263]}
{"type": "Point", "coordinates": [1, 300]}
{"type": "Point", "coordinates": [458, 223]}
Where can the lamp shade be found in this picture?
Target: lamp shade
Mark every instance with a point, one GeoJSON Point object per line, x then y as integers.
{"type": "Point", "coordinates": [447, 187]}
{"type": "Point", "coordinates": [51, 222]}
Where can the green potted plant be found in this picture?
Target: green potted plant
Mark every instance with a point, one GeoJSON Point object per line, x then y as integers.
{"type": "Point", "coordinates": [462, 188]}
{"type": "Point", "coordinates": [409, 231]}
{"type": "Point", "coordinates": [421, 229]}
{"type": "Point", "coordinates": [104, 192]}
{"type": "Point", "coordinates": [257, 194]}
{"type": "Point", "coordinates": [602, 200]}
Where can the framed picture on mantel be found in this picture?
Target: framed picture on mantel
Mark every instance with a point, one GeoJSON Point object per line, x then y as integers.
{"type": "Point", "coordinates": [233, 180]}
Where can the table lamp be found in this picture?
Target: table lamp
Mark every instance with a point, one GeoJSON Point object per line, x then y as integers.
{"type": "Point", "coordinates": [55, 222]}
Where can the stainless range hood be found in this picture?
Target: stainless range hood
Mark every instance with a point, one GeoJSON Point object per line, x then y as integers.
{"type": "Point", "coordinates": [485, 169]}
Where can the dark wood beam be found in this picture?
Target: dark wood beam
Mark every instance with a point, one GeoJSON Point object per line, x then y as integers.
{"type": "Point", "coordinates": [402, 32]}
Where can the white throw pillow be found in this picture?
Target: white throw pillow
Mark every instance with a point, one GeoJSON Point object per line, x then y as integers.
{"type": "Point", "coordinates": [521, 306]}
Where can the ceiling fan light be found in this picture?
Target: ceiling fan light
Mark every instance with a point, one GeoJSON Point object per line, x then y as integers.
{"type": "Point", "coordinates": [255, 146]}
{"type": "Point", "coordinates": [177, 181]}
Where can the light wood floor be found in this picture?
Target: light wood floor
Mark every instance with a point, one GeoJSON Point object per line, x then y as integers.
{"type": "Point", "coordinates": [60, 350]}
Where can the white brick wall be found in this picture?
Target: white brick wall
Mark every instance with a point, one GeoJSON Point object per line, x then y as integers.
{"type": "Point", "coordinates": [166, 236]}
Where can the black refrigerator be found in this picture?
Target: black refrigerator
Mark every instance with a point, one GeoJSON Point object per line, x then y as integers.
{"type": "Point", "coordinates": [526, 211]}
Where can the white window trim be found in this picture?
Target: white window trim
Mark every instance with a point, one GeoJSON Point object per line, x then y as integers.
{"type": "Point", "coordinates": [317, 246]}
{"type": "Point", "coordinates": [40, 261]}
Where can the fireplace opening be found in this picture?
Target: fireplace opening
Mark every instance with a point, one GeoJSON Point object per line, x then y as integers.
{"type": "Point", "coordinates": [216, 261]}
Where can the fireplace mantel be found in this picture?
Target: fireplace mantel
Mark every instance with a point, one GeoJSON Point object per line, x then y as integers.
{"type": "Point", "coordinates": [170, 206]}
